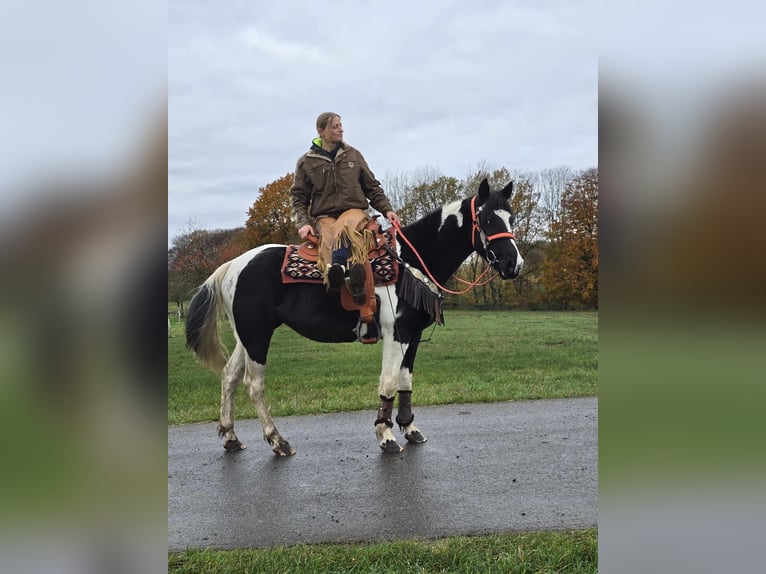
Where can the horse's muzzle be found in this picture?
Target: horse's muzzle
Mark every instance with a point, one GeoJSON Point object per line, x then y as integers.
{"type": "Point", "coordinates": [509, 269]}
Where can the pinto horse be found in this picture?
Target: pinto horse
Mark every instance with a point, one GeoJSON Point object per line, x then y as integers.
{"type": "Point", "coordinates": [250, 290]}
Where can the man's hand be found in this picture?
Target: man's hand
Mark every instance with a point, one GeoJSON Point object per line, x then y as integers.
{"type": "Point", "coordinates": [393, 218]}
{"type": "Point", "coordinates": [305, 230]}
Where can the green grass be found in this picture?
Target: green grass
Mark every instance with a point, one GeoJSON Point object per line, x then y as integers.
{"type": "Point", "coordinates": [540, 552]}
{"type": "Point", "coordinates": [479, 356]}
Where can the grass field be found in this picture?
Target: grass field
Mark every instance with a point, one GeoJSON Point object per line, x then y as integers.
{"type": "Point", "coordinates": [538, 552]}
{"type": "Point", "coordinates": [478, 356]}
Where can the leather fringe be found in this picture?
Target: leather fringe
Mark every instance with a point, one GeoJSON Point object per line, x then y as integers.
{"type": "Point", "coordinates": [358, 241]}
{"type": "Point", "coordinates": [419, 295]}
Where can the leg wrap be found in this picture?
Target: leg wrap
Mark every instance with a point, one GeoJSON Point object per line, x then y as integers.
{"type": "Point", "coordinates": [405, 416]}
{"type": "Point", "coordinates": [385, 410]}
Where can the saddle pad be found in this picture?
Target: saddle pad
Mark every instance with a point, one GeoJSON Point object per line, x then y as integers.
{"type": "Point", "coordinates": [296, 269]}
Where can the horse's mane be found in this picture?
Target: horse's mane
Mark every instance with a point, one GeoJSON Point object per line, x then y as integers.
{"type": "Point", "coordinates": [434, 218]}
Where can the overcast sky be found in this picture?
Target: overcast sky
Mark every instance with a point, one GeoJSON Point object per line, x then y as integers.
{"type": "Point", "coordinates": [437, 84]}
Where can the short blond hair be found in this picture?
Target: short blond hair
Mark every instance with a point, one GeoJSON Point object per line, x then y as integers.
{"type": "Point", "coordinates": [325, 118]}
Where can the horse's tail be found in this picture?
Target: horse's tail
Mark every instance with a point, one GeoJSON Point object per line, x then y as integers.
{"type": "Point", "coordinates": [202, 335]}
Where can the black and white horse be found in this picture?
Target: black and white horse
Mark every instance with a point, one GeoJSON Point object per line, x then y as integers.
{"type": "Point", "coordinates": [250, 290]}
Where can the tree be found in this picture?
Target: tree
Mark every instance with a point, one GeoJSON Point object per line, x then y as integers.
{"type": "Point", "coordinates": [194, 255]}
{"type": "Point", "coordinates": [570, 271]}
{"type": "Point", "coordinates": [528, 229]}
{"type": "Point", "coordinates": [268, 219]}
{"type": "Point", "coordinates": [551, 183]}
{"type": "Point", "coordinates": [429, 191]}
{"type": "Point", "coordinates": [396, 186]}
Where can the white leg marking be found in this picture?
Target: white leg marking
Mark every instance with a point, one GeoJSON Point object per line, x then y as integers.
{"type": "Point", "coordinates": [230, 378]}
{"type": "Point", "coordinates": [254, 377]}
{"type": "Point", "coordinates": [413, 434]}
{"type": "Point", "coordinates": [405, 379]}
{"type": "Point", "coordinates": [384, 433]}
{"type": "Point", "coordinates": [393, 351]}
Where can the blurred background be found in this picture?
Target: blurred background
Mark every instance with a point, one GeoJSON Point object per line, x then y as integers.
{"type": "Point", "coordinates": [682, 144]}
{"type": "Point", "coordinates": [83, 185]}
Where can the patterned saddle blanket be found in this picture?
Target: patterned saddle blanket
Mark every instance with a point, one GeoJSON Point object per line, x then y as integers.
{"type": "Point", "coordinates": [300, 266]}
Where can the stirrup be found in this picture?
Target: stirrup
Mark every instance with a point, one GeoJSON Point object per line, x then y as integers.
{"type": "Point", "coordinates": [367, 339]}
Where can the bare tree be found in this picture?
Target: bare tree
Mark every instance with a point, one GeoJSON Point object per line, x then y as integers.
{"type": "Point", "coordinates": [428, 190]}
{"type": "Point", "coordinates": [396, 186]}
{"type": "Point", "coordinates": [551, 184]}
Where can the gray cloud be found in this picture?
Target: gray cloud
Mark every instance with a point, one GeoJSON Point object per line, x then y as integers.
{"type": "Point", "coordinates": [439, 84]}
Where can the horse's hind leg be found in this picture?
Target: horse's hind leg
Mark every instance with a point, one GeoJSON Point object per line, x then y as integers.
{"type": "Point", "coordinates": [230, 379]}
{"type": "Point", "coordinates": [254, 377]}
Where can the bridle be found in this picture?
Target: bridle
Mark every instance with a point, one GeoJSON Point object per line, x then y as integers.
{"type": "Point", "coordinates": [486, 240]}
{"type": "Point", "coordinates": [476, 231]}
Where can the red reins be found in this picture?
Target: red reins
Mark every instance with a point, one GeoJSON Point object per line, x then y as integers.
{"type": "Point", "coordinates": [476, 229]}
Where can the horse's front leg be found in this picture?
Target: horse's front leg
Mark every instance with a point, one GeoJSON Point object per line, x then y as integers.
{"type": "Point", "coordinates": [254, 381]}
{"type": "Point", "coordinates": [404, 416]}
{"type": "Point", "coordinates": [387, 386]}
{"type": "Point", "coordinates": [383, 426]}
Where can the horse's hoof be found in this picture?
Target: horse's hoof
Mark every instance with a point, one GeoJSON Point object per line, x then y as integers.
{"type": "Point", "coordinates": [233, 445]}
{"type": "Point", "coordinates": [284, 449]}
{"type": "Point", "coordinates": [391, 447]}
{"type": "Point", "coordinates": [415, 437]}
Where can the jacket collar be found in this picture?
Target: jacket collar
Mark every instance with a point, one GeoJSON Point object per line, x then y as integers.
{"type": "Point", "coordinates": [317, 149]}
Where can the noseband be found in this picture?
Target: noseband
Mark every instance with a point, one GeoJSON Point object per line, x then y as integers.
{"type": "Point", "coordinates": [477, 231]}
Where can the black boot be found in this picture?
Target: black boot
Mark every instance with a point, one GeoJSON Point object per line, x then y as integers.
{"type": "Point", "coordinates": [356, 283]}
{"type": "Point", "coordinates": [335, 278]}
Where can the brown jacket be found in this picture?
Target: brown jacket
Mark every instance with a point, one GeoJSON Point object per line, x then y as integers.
{"type": "Point", "coordinates": [329, 187]}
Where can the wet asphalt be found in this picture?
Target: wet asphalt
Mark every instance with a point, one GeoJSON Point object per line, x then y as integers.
{"type": "Point", "coordinates": [486, 468]}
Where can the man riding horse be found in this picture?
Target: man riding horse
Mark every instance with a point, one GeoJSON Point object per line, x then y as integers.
{"type": "Point", "coordinates": [333, 185]}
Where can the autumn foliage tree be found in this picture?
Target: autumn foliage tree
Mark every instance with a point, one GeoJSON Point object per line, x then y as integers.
{"type": "Point", "coordinates": [428, 195]}
{"type": "Point", "coordinates": [570, 271]}
{"type": "Point", "coordinates": [195, 254]}
{"type": "Point", "coordinates": [556, 230]}
{"type": "Point", "coordinates": [268, 219]}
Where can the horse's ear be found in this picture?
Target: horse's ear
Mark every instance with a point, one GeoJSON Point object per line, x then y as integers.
{"type": "Point", "coordinates": [483, 191]}
{"type": "Point", "coordinates": [507, 190]}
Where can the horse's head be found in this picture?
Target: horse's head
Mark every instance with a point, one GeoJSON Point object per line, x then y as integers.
{"type": "Point", "coordinates": [492, 221]}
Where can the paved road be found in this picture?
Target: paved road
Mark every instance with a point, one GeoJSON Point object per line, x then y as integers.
{"type": "Point", "coordinates": [497, 467]}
